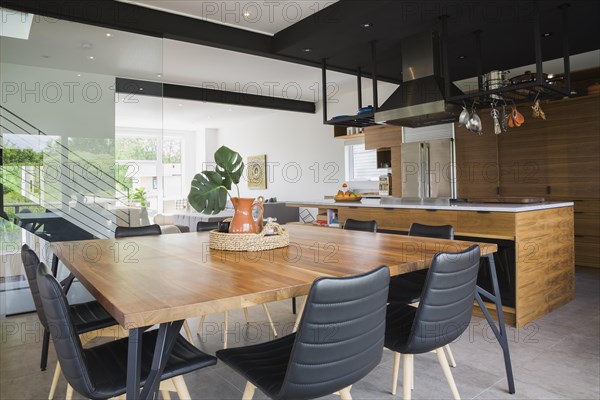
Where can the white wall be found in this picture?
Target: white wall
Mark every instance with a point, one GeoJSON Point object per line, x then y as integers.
{"type": "Point", "coordinates": [304, 161]}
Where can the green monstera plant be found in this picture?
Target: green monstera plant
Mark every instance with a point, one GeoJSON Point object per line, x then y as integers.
{"type": "Point", "coordinates": [210, 189]}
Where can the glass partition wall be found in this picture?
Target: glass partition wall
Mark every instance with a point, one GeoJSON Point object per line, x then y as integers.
{"type": "Point", "coordinates": [62, 170]}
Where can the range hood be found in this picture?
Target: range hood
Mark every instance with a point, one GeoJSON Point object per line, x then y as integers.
{"type": "Point", "coordinates": [420, 100]}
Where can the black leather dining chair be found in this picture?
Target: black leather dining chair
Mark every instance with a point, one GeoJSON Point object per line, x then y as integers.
{"type": "Point", "coordinates": [443, 314]}
{"type": "Point", "coordinates": [338, 342]}
{"type": "Point", "coordinates": [356, 225]}
{"type": "Point", "coordinates": [131, 231]}
{"type": "Point", "coordinates": [87, 317]}
{"type": "Point", "coordinates": [407, 288]}
{"type": "Point", "coordinates": [100, 372]}
{"type": "Point", "coordinates": [206, 226]}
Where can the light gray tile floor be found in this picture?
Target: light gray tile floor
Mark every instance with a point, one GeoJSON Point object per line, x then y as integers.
{"type": "Point", "coordinates": [556, 357]}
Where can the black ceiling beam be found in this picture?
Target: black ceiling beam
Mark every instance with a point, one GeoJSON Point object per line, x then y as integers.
{"type": "Point", "coordinates": [133, 87]}
{"type": "Point", "coordinates": [145, 21]}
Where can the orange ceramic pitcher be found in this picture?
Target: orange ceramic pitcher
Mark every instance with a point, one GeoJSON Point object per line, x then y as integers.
{"type": "Point", "coordinates": [243, 221]}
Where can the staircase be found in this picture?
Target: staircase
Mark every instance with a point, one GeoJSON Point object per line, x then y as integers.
{"type": "Point", "coordinates": [81, 192]}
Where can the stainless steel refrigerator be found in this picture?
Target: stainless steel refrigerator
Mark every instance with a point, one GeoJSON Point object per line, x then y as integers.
{"type": "Point", "coordinates": [428, 169]}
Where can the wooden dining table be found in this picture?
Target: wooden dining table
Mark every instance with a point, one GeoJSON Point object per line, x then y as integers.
{"type": "Point", "coordinates": [164, 279]}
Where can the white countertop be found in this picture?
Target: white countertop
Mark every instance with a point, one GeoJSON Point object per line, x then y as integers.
{"type": "Point", "coordinates": [490, 207]}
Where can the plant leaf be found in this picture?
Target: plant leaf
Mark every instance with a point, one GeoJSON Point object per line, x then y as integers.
{"type": "Point", "coordinates": [230, 165]}
{"type": "Point", "coordinates": [208, 195]}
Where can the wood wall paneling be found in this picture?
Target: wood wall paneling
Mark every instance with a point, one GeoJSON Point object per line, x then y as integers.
{"type": "Point", "coordinates": [476, 164]}
{"type": "Point", "coordinates": [556, 158]}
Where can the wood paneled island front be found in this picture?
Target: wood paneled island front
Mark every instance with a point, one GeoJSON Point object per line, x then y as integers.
{"type": "Point", "coordinates": [542, 234]}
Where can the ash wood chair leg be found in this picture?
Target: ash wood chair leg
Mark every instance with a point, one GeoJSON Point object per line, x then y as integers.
{"type": "Point", "coordinates": [54, 381]}
{"type": "Point", "coordinates": [299, 311]}
{"type": "Point", "coordinates": [166, 395]}
{"type": "Point", "coordinates": [69, 395]}
{"type": "Point", "coordinates": [447, 373]}
{"type": "Point", "coordinates": [181, 388]}
{"type": "Point", "coordinates": [270, 319]}
{"type": "Point", "coordinates": [451, 360]}
{"type": "Point", "coordinates": [395, 372]}
{"type": "Point", "coordinates": [246, 315]}
{"type": "Point", "coordinates": [407, 364]}
{"type": "Point", "coordinates": [248, 391]}
{"type": "Point", "coordinates": [200, 325]}
{"type": "Point", "coordinates": [345, 393]}
{"type": "Point", "coordinates": [188, 331]}
{"type": "Point", "coordinates": [226, 323]}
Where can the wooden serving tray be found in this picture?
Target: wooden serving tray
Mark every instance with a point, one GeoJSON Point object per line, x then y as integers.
{"type": "Point", "coordinates": [515, 200]}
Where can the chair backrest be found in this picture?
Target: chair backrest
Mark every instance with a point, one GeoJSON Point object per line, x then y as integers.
{"type": "Point", "coordinates": [446, 303]}
{"type": "Point", "coordinates": [4, 215]}
{"type": "Point", "coordinates": [356, 225]}
{"type": "Point", "coordinates": [437, 232]}
{"type": "Point", "coordinates": [30, 264]}
{"type": "Point", "coordinates": [129, 231]}
{"type": "Point", "coordinates": [340, 337]}
{"type": "Point", "coordinates": [206, 226]}
{"type": "Point", "coordinates": [66, 341]}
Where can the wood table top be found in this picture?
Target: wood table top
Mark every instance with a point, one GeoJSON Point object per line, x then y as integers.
{"type": "Point", "coordinates": [148, 280]}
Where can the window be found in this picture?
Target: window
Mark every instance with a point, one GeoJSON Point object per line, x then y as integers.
{"type": "Point", "coordinates": [361, 164]}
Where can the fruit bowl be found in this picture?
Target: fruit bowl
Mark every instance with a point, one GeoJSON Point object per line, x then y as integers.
{"type": "Point", "coordinates": [343, 199]}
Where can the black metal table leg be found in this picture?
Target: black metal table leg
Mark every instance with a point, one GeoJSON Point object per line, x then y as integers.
{"type": "Point", "coordinates": [134, 363]}
{"type": "Point", "coordinates": [167, 336]}
{"type": "Point", "coordinates": [45, 345]}
{"type": "Point", "coordinates": [500, 330]}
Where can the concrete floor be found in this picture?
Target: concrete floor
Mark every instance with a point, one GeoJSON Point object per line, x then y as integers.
{"type": "Point", "coordinates": [556, 357]}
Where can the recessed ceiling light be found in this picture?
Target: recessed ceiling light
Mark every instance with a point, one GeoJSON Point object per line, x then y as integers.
{"type": "Point", "coordinates": [462, 57]}
{"type": "Point", "coordinates": [78, 74]}
{"type": "Point", "coordinates": [230, 109]}
{"type": "Point", "coordinates": [108, 34]}
{"type": "Point", "coordinates": [141, 89]}
{"type": "Point", "coordinates": [547, 34]}
{"type": "Point", "coordinates": [86, 46]}
{"type": "Point", "coordinates": [367, 25]}
{"type": "Point", "coordinates": [91, 57]}
{"type": "Point", "coordinates": [180, 105]}
{"type": "Point", "coordinates": [307, 50]}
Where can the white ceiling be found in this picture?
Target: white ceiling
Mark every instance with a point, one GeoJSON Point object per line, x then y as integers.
{"type": "Point", "coordinates": [69, 46]}
{"type": "Point", "coordinates": [268, 17]}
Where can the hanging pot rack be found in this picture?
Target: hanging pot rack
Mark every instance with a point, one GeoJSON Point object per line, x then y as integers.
{"type": "Point", "coordinates": [540, 88]}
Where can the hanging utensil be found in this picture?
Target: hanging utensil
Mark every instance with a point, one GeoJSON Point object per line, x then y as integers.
{"type": "Point", "coordinates": [537, 110]}
{"type": "Point", "coordinates": [495, 115]}
{"type": "Point", "coordinates": [463, 118]}
{"type": "Point", "coordinates": [504, 118]}
{"type": "Point", "coordinates": [475, 123]}
{"type": "Point", "coordinates": [517, 117]}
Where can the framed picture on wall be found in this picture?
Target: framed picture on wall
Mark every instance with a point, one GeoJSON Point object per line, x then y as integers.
{"type": "Point", "coordinates": [257, 172]}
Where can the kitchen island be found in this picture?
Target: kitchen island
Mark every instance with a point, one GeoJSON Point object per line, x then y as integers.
{"type": "Point", "coordinates": [536, 258]}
